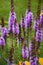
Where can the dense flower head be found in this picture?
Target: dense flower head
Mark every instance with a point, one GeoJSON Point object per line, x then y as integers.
{"type": "Point", "coordinates": [3, 32]}
{"type": "Point", "coordinates": [11, 20]}
{"type": "Point", "coordinates": [39, 34]}
{"type": "Point", "coordinates": [25, 52]}
{"type": "Point", "coordinates": [32, 52]}
{"type": "Point", "coordinates": [12, 17]}
{"type": "Point", "coordinates": [30, 46]}
{"type": "Point", "coordinates": [27, 11]}
{"type": "Point", "coordinates": [15, 28]}
{"type": "Point", "coordinates": [28, 17]}
{"type": "Point", "coordinates": [36, 23]}
{"type": "Point", "coordinates": [2, 41]}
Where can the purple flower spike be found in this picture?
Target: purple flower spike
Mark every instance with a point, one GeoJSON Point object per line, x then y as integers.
{"type": "Point", "coordinates": [15, 28]}
{"type": "Point", "coordinates": [2, 42]}
{"type": "Point", "coordinates": [25, 52]}
{"type": "Point", "coordinates": [38, 36]}
{"type": "Point", "coordinates": [4, 32]}
{"type": "Point", "coordinates": [32, 51]}
{"type": "Point", "coordinates": [11, 20]}
{"type": "Point", "coordinates": [29, 17]}
{"type": "Point", "coordinates": [3, 28]}
{"type": "Point", "coordinates": [36, 23]}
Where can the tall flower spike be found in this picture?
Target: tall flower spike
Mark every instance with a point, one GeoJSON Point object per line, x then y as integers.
{"type": "Point", "coordinates": [15, 28]}
{"type": "Point", "coordinates": [28, 19]}
{"type": "Point", "coordinates": [3, 29]}
{"type": "Point", "coordinates": [12, 17]}
{"type": "Point", "coordinates": [37, 21]}
{"type": "Point", "coordinates": [28, 7]}
{"type": "Point", "coordinates": [29, 14]}
{"type": "Point", "coordinates": [2, 42]}
{"type": "Point", "coordinates": [25, 54]}
{"type": "Point", "coordinates": [38, 36]}
{"type": "Point", "coordinates": [11, 58]}
{"type": "Point", "coordinates": [16, 31]}
{"type": "Point", "coordinates": [33, 60]}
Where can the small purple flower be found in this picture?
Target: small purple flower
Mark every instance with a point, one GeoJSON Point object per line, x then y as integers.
{"type": "Point", "coordinates": [2, 41]}
{"type": "Point", "coordinates": [30, 46]}
{"type": "Point", "coordinates": [15, 28]}
{"type": "Point", "coordinates": [28, 17]}
{"type": "Point", "coordinates": [25, 52]}
{"type": "Point", "coordinates": [4, 31]}
{"type": "Point", "coordinates": [39, 35]}
{"type": "Point", "coordinates": [36, 23]}
{"type": "Point", "coordinates": [32, 52]}
{"type": "Point", "coordinates": [27, 11]}
{"type": "Point", "coordinates": [11, 20]}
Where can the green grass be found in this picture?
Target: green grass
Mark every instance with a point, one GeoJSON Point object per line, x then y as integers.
{"type": "Point", "coordinates": [20, 7]}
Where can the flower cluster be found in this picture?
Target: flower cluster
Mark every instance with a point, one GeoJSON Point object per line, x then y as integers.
{"type": "Point", "coordinates": [28, 18]}
{"type": "Point", "coordinates": [25, 53]}
{"type": "Point", "coordinates": [4, 32]}
{"type": "Point", "coordinates": [28, 53]}
{"type": "Point", "coordinates": [15, 28]}
{"type": "Point", "coordinates": [36, 23]}
{"type": "Point", "coordinates": [32, 51]}
{"type": "Point", "coordinates": [11, 21]}
{"type": "Point", "coordinates": [39, 36]}
{"type": "Point", "coordinates": [3, 29]}
{"type": "Point", "coordinates": [2, 42]}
